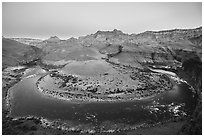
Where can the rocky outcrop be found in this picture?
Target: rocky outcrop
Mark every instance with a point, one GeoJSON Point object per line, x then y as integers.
{"type": "Point", "coordinates": [53, 39]}
{"type": "Point", "coordinates": [192, 72]}
{"type": "Point", "coordinates": [149, 47]}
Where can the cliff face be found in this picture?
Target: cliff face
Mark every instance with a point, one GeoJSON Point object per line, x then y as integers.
{"type": "Point", "coordinates": [192, 72]}
{"type": "Point", "coordinates": [162, 47]}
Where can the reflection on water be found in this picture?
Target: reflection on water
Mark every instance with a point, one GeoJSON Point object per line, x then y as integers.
{"type": "Point", "coordinates": [27, 100]}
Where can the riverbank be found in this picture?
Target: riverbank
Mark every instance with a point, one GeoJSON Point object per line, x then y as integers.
{"type": "Point", "coordinates": [37, 128]}
{"type": "Point", "coordinates": [104, 88]}
{"type": "Point", "coordinates": [20, 126]}
{"type": "Point", "coordinates": [40, 126]}
{"type": "Point", "coordinates": [170, 128]}
{"type": "Point", "coordinates": [10, 77]}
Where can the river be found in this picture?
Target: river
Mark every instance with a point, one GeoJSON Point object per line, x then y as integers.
{"type": "Point", "coordinates": [26, 100]}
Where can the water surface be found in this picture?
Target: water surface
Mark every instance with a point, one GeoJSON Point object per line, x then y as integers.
{"type": "Point", "coordinates": [27, 100]}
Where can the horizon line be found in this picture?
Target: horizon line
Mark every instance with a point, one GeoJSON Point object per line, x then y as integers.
{"type": "Point", "coordinates": [77, 37]}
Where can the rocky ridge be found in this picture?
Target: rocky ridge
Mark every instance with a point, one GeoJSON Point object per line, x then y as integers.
{"type": "Point", "coordinates": [150, 47]}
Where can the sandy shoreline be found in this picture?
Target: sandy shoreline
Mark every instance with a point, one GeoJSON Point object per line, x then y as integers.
{"type": "Point", "coordinates": [69, 96]}
{"type": "Point", "coordinates": [92, 100]}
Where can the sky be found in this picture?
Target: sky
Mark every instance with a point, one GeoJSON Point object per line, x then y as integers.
{"type": "Point", "coordinates": [65, 20]}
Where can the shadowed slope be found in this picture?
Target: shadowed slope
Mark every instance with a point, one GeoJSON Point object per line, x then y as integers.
{"type": "Point", "coordinates": [15, 53]}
